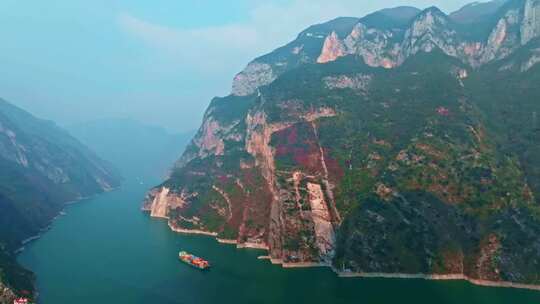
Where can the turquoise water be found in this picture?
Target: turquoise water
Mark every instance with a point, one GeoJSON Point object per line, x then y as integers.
{"type": "Point", "coordinates": [105, 250]}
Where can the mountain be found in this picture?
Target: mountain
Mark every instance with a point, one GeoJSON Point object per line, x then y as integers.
{"type": "Point", "coordinates": [390, 43]}
{"type": "Point", "coordinates": [42, 168]}
{"type": "Point", "coordinates": [378, 146]}
{"type": "Point", "coordinates": [391, 17]}
{"type": "Point", "coordinates": [475, 11]}
{"type": "Point", "coordinates": [135, 148]}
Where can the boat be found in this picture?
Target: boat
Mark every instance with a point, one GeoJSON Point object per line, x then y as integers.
{"type": "Point", "coordinates": [193, 261]}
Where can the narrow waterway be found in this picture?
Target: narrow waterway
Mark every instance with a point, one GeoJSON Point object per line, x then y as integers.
{"type": "Point", "coordinates": [105, 250]}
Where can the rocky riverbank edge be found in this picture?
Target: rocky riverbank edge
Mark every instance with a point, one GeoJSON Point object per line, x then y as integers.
{"type": "Point", "coordinates": [42, 231]}
{"type": "Point", "coordinates": [436, 277]}
{"type": "Point", "coordinates": [350, 274]}
{"type": "Point", "coordinates": [61, 213]}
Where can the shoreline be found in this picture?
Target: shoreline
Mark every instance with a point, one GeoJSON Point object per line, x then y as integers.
{"type": "Point", "coordinates": [347, 274]}
{"type": "Point", "coordinates": [61, 213]}
{"type": "Point", "coordinates": [190, 231]}
{"type": "Point", "coordinates": [46, 228]}
{"type": "Point", "coordinates": [247, 245]}
{"type": "Point", "coordinates": [437, 277]}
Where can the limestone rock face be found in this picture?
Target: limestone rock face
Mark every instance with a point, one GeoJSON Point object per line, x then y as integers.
{"type": "Point", "coordinates": [253, 214]}
{"type": "Point", "coordinates": [530, 27]}
{"type": "Point", "coordinates": [429, 31]}
{"type": "Point", "coordinates": [357, 82]}
{"type": "Point", "coordinates": [391, 46]}
{"type": "Point", "coordinates": [378, 48]}
{"type": "Point", "coordinates": [322, 219]}
{"type": "Point", "coordinates": [432, 30]}
{"type": "Point", "coordinates": [161, 200]}
{"type": "Point", "coordinates": [209, 140]}
{"type": "Point", "coordinates": [333, 48]}
{"type": "Point", "coordinates": [531, 61]}
{"type": "Point", "coordinates": [368, 144]}
{"type": "Point", "coordinates": [253, 76]}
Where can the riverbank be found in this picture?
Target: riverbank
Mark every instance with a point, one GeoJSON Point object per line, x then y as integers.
{"type": "Point", "coordinates": [109, 269]}
{"type": "Point", "coordinates": [436, 277]}
{"type": "Point", "coordinates": [60, 213]}
{"type": "Point", "coordinates": [246, 245]}
{"type": "Point", "coordinates": [346, 274]}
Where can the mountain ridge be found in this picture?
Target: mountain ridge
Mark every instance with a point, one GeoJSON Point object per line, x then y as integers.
{"type": "Point", "coordinates": [134, 147]}
{"type": "Point", "coordinates": [382, 151]}
{"type": "Point", "coordinates": [390, 47]}
{"type": "Point", "coordinates": [42, 169]}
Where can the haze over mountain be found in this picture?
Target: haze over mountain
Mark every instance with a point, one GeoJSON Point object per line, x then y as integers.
{"type": "Point", "coordinates": [158, 62]}
{"type": "Point", "coordinates": [41, 169]}
{"type": "Point", "coordinates": [403, 144]}
{"type": "Point", "coordinates": [135, 148]}
{"type": "Point", "coordinates": [475, 11]}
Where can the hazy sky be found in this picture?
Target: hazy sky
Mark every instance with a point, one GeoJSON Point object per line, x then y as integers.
{"type": "Point", "coordinates": [158, 61]}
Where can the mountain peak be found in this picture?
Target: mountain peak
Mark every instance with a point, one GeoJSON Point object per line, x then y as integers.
{"type": "Point", "coordinates": [401, 11]}
{"type": "Point", "coordinates": [475, 11]}
{"type": "Point", "coordinates": [429, 18]}
{"type": "Point", "coordinates": [388, 37]}
{"type": "Point", "coordinates": [290, 169]}
{"type": "Point", "coordinates": [389, 18]}
{"type": "Point", "coordinates": [433, 10]}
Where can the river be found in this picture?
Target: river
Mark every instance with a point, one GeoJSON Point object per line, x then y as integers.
{"type": "Point", "coordinates": [105, 250]}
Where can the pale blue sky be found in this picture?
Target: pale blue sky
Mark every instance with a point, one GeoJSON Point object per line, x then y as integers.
{"type": "Point", "coordinates": [158, 61]}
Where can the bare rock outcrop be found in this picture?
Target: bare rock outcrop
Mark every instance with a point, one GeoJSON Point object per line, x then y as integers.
{"type": "Point", "coordinates": [368, 167]}
{"type": "Point", "coordinates": [333, 48]}
{"type": "Point", "coordinates": [357, 82]}
{"type": "Point", "coordinates": [532, 61]}
{"type": "Point", "coordinates": [431, 30]}
{"type": "Point", "coordinates": [255, 75]}
{"type": "Point", "coordinates": [530, 27]}
{"type": "Point", "coordinates": [161, 200]}
{"type": "Point", "coordinates": [324, 229]}
{"type": "Point", "coordinates": [390, 47]}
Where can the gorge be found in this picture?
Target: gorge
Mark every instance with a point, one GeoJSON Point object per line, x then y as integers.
{"type": "Point", "coordinates": [43, 168]}
{"type": "Point", "coordinates": [393, 157]}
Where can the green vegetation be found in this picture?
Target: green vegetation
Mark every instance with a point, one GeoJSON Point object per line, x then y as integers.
{"type": "Point", "coordinates": [433, 166]}
{"type": "Point", "coordinates": [41, 168]}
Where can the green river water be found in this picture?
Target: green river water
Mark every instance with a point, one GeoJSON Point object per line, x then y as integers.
{"type": "Point", "coordinates": [105, 250]}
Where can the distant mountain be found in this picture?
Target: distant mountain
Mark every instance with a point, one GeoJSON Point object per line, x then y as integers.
{"type": "Point", "coordinates": [391, 17]}
{"type": "Point", "coordinates": [42, 168]}
{"type": "Point", "coordinates": [476, 11]}
{"type": "Point", "coordinates": [135, 148]}
{"type": "Point", "coordinates": [401, 143]}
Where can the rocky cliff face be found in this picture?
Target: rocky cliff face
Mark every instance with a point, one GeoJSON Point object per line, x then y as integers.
{"type": "Point", "coordinates": [376, 145]}
{"type": "Point", "coordinates": [508, 28]}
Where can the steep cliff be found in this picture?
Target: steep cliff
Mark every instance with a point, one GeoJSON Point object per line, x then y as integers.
{"type": "Point", "coordinates": [41, 168]}
{"type": "Point", "coordinates": [375, 145]}
{"type": "Point", "coordinates": [387, 38]}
